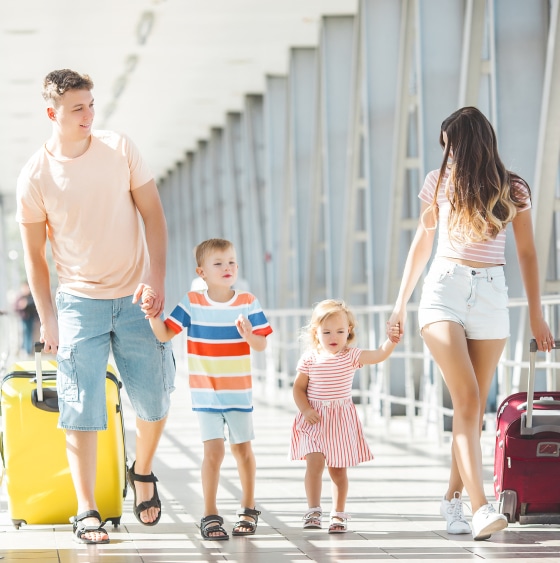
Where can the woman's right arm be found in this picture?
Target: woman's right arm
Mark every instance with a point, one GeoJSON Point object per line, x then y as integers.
{"type": "Point", "coordinates": [418, 256]}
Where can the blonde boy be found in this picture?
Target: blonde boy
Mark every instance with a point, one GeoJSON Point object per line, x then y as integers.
{"type": "Point", "coordinates": [223, 325]}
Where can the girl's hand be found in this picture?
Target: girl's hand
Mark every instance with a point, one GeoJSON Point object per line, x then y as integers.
{"type": "Point", "coordinates": [394, 332]}
{"type": "Point", "coordinates": [395, 326]}
{"type": "Point", "coordinates": [311, 416]}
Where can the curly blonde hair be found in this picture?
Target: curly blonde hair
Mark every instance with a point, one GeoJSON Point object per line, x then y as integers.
{"type": "Point", "coordinates": [321, 312]}
{"type": "Point", "coordinates": [484, 198]}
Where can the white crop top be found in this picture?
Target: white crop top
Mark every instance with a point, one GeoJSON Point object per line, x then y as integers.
{"type": "Point", "coordinates": [490, 251]}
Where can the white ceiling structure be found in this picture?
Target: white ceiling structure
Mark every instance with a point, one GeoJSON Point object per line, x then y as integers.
{"type": "Point", "coordinates": [165, 71]}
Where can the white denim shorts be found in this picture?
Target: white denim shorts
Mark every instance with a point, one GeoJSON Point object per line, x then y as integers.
{"type": "Point", "coordinates": [476, 298]}
{"type": "Point", "coordinates": [239, 424]}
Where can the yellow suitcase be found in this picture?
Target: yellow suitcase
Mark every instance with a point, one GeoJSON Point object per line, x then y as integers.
{"type": "Point", "coordinates": [37, 477]}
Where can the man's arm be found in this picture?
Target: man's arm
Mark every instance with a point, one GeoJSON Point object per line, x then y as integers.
{"type": "Point", "coordinates": [148, 203]}
{"type": "Point", "coordinates": [34, 239]}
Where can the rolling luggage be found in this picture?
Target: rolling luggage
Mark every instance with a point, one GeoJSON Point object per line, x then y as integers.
{"type": "Point", "coordinates": [527, 454]}
{"type": "Point", "coordinates": [37, 477]}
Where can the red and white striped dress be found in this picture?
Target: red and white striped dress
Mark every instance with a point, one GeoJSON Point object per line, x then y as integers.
{"type": "Point", "coordinates": [339, 434]}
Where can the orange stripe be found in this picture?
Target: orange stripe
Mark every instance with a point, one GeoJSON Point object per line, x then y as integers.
{"type": "Point", "coordinates": [234, 383]}
{"type": "Point", "coordinates": [217, 350]}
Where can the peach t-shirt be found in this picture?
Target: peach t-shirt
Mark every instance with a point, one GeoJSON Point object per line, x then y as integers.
{"type": "Point", "coordinates": [94, 227]}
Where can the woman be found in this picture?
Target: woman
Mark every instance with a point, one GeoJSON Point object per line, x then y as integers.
{"type": "Point", "coordinates": [463, 313]}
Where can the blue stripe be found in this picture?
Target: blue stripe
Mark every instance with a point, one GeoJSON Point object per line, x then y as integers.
{"type": "Point", "coordinates": [180, 316]}
{"type": "Point", "coordinates": [258, 319]}
{"type": "Point", "coordinates": [214, 332]}
{"type": "Point", "coordinates": [220, 400]}
{"type": "Point", "coordinates": [221, 410]}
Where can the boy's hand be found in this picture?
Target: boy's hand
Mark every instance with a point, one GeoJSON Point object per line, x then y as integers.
{"type": "Point", "coordinates": [244, 326]}
{"type": "Point", "coordinates": [147, 298]}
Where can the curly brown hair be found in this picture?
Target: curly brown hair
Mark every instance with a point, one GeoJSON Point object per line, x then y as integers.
{"type": "Point", "coordinates": [57, 82]}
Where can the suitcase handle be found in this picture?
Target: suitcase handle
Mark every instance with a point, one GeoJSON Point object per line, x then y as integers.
{"type": "Point", "coordinates": [533, 347]}
{"type": "Point", "coordinates": [39, 370]}
{"type": "Point", "coordinates": [541, 402]}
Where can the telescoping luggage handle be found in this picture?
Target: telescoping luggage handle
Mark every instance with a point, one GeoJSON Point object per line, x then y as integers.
{"type": "Point", "coordinates": [533, 347]}
{"type": "Point", "coordinates": [39, 370]}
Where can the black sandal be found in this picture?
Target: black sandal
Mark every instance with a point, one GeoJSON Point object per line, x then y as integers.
{"type": "Point", "coordinates": [80, 529]}
{"type": "Point", "coordinates": [206, 528]}
{"type": "Point", "coordinates": [154, 501]}
{"type": "Point", "coordinates": [248, 528]}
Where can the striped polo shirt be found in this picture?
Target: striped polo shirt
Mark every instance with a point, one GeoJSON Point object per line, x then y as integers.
{"type": "Point", "coordinates": [219, 359]}
{"type": "Point", "coordinates": [490, 251]}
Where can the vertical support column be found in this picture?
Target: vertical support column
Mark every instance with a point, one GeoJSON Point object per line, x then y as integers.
{"type": "Point", "coordinates": [335, 52]}
{"type": "Point", "coordinates": [295, 244]}
{"type": "Point", "coordinates": [546, 201]}
{"type": "Point", "coordinates": [235, 173]}
{"type": "Point", "coordinates": [257, 212]}
{"type": "Point", "coordinates": [408, 141]}
{"type": "Point", "coordinates": [479, 17]}
{"type": "Point", "coordinates": [216, 202]}
{"type": "Point", "coordinates": [356, 277]}
{"type": "Point", "coordinates": [275, 130]}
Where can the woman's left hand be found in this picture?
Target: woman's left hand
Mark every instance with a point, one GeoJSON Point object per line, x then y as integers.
{"type": "Point", "coordinates": [543, 336]}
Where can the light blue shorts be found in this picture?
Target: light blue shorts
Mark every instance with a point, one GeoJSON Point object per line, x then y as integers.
{"type": "Point", "coordinates": [239, 424]}
{"type": "Point", "coordinates": [476, 298]}
{"type": "Point", "coordinates": [88, 328]}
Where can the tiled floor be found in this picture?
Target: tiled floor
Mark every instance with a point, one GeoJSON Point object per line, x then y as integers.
{"type": "Point", "coordinates": [394, 503]}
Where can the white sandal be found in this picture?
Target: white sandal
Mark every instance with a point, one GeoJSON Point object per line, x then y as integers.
{"type": "Point", "coordinates": [312, 518]}
{"type": "Point", "coordinates": [338, 523]}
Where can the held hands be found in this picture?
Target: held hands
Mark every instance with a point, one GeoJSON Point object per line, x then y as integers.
{"type": "Point", "coordinates": [149, 303]}
{"type": "Point", "coordinates": [311, 416]}
{"type": "Point", "coordinates": [395, 328]}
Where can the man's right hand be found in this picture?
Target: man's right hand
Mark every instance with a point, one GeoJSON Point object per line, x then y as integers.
{"type": "Point", "coordinates": [49, 337]}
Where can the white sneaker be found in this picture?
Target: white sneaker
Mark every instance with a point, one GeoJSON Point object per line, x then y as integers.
{"type": "Point", "coordinates": [452, 511]}
{"type": "Point", "coordinates": [486, 521]}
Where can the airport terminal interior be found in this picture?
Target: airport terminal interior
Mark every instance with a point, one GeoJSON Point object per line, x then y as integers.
{"type": "Point", "coordinates": [302, 131]}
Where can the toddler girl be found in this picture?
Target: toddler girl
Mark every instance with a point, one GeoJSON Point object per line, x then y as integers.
{"type": "Point", "coordinates": [327, 429]}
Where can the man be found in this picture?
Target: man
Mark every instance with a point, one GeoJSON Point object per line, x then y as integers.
{"type": "Point", "coordinates": [86, 191]}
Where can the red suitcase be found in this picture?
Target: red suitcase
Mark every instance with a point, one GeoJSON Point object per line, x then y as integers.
{"type": "Point", "coordinates": [527, 454]}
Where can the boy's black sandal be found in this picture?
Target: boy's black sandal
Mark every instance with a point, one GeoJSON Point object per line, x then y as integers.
{"type": "Point", "coordinates": [80, 529]}
{"type": "Point", "coordinates": [154, 501]}
{"type": "Point", "coordinates": [210, 525]}
{"type": "Point", "coordinates": [248, 527]}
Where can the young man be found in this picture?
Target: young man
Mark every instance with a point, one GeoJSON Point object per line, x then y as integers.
{"type": "Point", "coordinates": [223, 325]}
{"type": "Point", "coordinates": [86, 191]}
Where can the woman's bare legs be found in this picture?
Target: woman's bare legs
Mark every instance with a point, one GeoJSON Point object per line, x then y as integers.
{"type": "Point", "coordinates": [467, 367]}
{"type": "Point", "coordinates": [484, 355]}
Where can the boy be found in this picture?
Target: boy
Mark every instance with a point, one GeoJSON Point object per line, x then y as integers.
{"type": "Point", "coordinates": [93, 195]}
{"type": "Point", "coordinates": [223, 325]}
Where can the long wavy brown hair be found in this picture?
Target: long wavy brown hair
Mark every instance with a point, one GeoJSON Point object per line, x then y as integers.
{"type": "Point", "coordinates": [483, 197]}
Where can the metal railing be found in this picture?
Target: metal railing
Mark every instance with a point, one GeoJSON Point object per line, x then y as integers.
{"type": "Point", "coordinates": [408, 384]}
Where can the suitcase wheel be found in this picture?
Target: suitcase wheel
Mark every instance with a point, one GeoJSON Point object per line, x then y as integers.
{"type": "Point", "coordinates": [17, 523]}
{"type": "Point", "coordinates": [508, 505]}
{"type": "Point", "coordinates": [116, 521]}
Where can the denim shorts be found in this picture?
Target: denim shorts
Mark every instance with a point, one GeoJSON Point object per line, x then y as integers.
{"type": "Point", "coordinates": [239, 423]}
{"type": "Point", "coordinates": [476, 298]}
{"type": "Point", "coordinates": [88, 328]}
